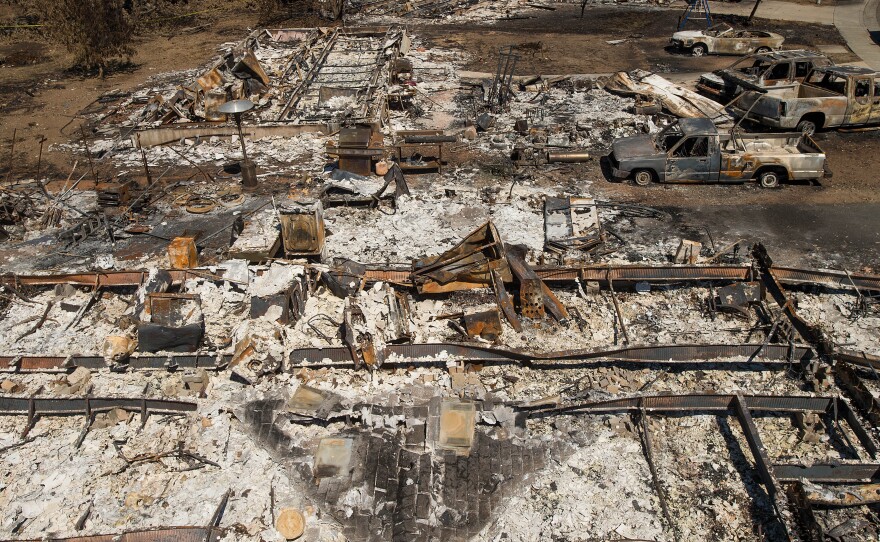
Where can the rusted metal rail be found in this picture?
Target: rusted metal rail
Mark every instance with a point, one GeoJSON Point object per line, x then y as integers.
{"type": "Point", "coordinates": [674, 354]}
{"type": "Point", "coordinates": [51, 406]}
{"type": "Point", "coordinates": [658, 274]}
{"type": "Point", "coordinates": [405, 354]}
{"type": "Point", "coordinates": [36, 407]}
{"type": "Point", "coordinates": [168, 534]}
{"type": "Point", "coordinates": [26, 364]}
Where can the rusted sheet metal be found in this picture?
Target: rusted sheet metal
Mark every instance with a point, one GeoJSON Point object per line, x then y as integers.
{"type": "Point", "coordinates": [441, 352]}
{"type": "Point", "coordinates": [102, 279]}
{"type": "Point", "coordinates": [169, 534]}
{"type": "Point", "coordinates": [50, 406]}
{"type": "Point", "coordinates": [26, 364]}
{"type": "Point", "coordinates": [394, 276]}
{"type": "Point", "coordinates": [831, 279]}
{"type": "Point", "coordinates": [485, 324]}
{"type": "Point", "coordinates": [467, 265]}
{"type": "Point", "coordinates": [828, 472]}
{"type": "Point", "coordinates": [676, 99]}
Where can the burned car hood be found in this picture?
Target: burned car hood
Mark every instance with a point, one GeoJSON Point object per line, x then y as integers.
{"type": "Point", "coordinates": [638, 146]}
{"type": "Point", "coordinates": [687, 35]}
{"type": "Point", "coordinates": [712, 78]}
{"type": "Point", "coordinates": [745, 80]}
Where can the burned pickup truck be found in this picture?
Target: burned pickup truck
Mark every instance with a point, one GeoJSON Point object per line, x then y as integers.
{"type": "Point", "coordinates": [829, 97]}
{"type": "Point", "coordinates": [722, 39]}
{"type": "Point", "coordinates": [693, 151]}
{"type": "Point", "coordinates": [766, 71]}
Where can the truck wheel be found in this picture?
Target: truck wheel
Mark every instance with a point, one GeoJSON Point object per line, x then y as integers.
{"type": "Point", "coordinates": [643, 177]}
{"type": "Point", "coordinates": [699, 50]}
{"type": "Point", "coordinates": [806, 127]}
{"type": "Point", "coordinates": [769, 179]}
{"type": "Point", "coordinates": [762, 50]}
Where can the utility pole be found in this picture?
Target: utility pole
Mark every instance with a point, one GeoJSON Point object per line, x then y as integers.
{"type": "Point", "coordinates": [754, 9]}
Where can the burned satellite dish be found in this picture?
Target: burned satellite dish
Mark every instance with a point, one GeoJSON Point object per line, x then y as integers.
{"type": "Point", "coordinates": [236, 107]}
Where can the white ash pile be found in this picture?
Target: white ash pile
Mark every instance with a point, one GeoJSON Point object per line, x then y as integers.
{"type": "Point", "coordinates": [573, 118]}
{"type": "Point", "coordinates": [602, 491]}
{"type": "Point", "coordinates": [850, 324]}
{"type": "Point", "coordinates": [424, 96]}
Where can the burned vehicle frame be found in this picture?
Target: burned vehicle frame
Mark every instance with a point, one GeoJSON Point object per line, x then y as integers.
{"type": "Point", "coordinates": [829, 97]}
{"type": "Point", "coordinates": [723, 39]}
{"type": "Point", "coordinates": [761, 71]}
{"type": "Point", "coordinates": [693, 151]}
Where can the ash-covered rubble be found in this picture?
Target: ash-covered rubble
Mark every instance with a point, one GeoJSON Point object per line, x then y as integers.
{"type": "Point", "coordinates": [440, 11]}
{"type": "Point", "coordinates": [409, 329]}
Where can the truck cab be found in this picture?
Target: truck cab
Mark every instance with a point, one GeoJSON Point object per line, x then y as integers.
{"type": "Point", "coordinates": [829, 97]}
{"type": "Point", "coordinates": [685, 151]}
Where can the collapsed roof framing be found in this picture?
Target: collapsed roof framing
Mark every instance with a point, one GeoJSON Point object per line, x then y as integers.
{"type": "Point", "coordinates": [346, 62]}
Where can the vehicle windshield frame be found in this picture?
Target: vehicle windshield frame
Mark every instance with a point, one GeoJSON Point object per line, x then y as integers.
{"type": "Point", "coordinates": [748, 65]}
{"type": "Point", "coordinates": [718, 30]}
{"type": "Point", "coordinates": [670, 129]}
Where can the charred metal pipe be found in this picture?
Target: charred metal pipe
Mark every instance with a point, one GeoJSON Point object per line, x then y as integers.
{"type": "Point", "coordinates": [568, 157]}
{"type": "Point", "coordinates": [416, 139]}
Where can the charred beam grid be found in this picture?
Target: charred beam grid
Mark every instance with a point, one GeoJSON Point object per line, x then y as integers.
{"type": "Point", "coordinates": [355, 77]}
{"type": "Point", "coordinates": [772, 474]}
{"type": "Point", "coordinates": [309, 76]}
{"type": "Point", "coordinates": [843, 471]}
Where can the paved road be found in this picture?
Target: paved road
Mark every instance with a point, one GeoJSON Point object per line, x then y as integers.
{"type": "Point", "coordinates": [777, 9]}
{"type": "Point", "coordinates": [856, 20]}
{"type": "Point", "coordinates": [819, 236]}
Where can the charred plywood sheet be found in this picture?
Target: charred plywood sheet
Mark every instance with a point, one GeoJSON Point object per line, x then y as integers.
{"type": "Point", "coordinates": [332, 457]}
{"type": "Point", "coordinates": [570, 223]}
{"type": "Point", "coordinates": [260, 237]}
{"type": "Point", "coordinates": [456, 426]}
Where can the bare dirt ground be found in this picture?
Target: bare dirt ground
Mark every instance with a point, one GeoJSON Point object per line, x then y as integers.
{"type": "Point", "coordinates": [579, 45]}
